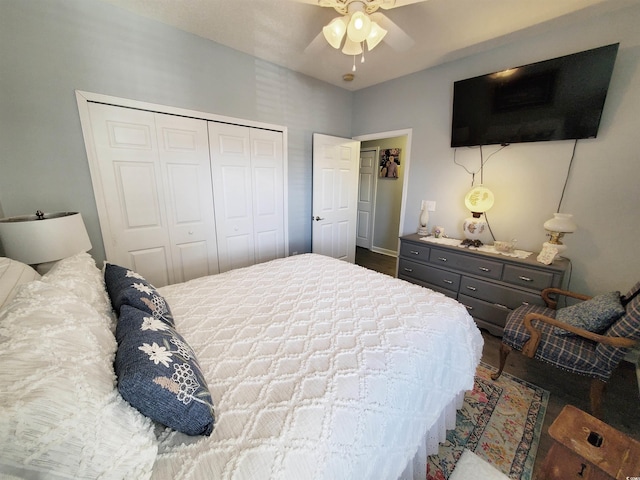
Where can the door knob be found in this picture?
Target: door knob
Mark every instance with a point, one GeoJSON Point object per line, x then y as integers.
{"type": "Point", "coordinates": [317, 219]}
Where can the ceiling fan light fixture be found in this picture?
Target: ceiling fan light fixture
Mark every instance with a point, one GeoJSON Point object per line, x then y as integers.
{"type": "Point", "coordinates": [334, 31]}
{"type": "Point", "coordinates": [351, 47]}
{"type": "Point", "coordinates": [376, 35]}
{"type": "Point", "coordinates": [359, 27]}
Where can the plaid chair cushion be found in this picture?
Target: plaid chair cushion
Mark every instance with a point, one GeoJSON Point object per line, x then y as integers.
{"type": "Point", "coordinates": [574, 354]}
{"type": "Point", "coordinates": [627, 326]}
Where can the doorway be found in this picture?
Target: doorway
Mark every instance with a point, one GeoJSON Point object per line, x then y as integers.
{"type": "Point", "coordinates": [388, 197]}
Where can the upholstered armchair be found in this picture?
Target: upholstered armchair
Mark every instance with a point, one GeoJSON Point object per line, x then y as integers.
{"type": "Point", "coordinates": [593, 352]}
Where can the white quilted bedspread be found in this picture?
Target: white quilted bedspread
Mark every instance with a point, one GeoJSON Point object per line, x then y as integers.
{"type": "Point", "coordinates": [319, 369]}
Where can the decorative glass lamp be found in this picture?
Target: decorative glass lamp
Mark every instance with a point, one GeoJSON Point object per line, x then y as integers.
{"type": "Point", "coordinates": [558, 226]}
{"type": "Point", "coordinates": [479, 199]}
{"type": "Point", "coordinates": [42, 239]}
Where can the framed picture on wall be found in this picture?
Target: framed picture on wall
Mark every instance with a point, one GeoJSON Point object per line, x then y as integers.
{"type": "Point", "coordinates": [389, 163]}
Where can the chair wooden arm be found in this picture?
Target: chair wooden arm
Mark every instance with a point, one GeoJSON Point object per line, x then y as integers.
{"type": "Point", "coordinates": [551, 303]}
{"type": "Point", "coordinates": [529, 348]}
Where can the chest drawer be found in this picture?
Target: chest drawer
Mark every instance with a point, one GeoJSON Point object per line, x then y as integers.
{"type": "Point", "coordinates": [498, 294]}
{"type": "Point", "coordinates": [414, 252]}
{"type": "Point", "coordinates": [489, 312]}
{"type": "Point", "coordinates": [527, 277]}
{"type": "Point", "coordinates": [428, 274]}
{"type": "Point", "coordinates": [467, 263]}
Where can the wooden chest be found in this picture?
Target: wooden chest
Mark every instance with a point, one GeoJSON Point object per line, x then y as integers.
{"type": "Point", "coordinates": [586, 448]}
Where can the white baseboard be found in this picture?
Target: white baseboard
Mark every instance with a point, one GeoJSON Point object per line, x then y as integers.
{"type": "Point", "coordinates": [384, 251]}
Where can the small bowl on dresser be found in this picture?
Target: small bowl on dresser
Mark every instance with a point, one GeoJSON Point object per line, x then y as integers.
{"type": "Point", "coordinates": [504, 247]}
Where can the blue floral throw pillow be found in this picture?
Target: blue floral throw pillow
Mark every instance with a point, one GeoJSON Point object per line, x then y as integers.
{"type": "Point", "coordinates": [595, 315]}
{"type": "Point", "coordinates": [126, 287]}
{"type": "Point", "coordinates": [159, 375]}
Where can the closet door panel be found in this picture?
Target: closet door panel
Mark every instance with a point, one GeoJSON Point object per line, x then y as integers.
{"type": "Point", "coordinates": [127, 181]}
{"type": "Point", "coordinates": [183, 146]}
{"type": "Point", "coordinates": [268, 198]}
{"type": "Point", "coordinates": [233, 196]}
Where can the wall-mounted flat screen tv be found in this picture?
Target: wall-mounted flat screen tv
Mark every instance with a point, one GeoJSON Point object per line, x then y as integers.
{"type": "Point", "coordinates": [556, 99]}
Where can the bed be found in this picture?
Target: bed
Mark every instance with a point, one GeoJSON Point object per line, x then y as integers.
{"type": "Point", "coordinates": [302, 367]}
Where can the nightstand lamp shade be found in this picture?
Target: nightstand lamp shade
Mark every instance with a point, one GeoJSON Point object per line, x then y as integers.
{"type": "Point", "coordinates": [42, 238]}
{"type": "Point", "coordinates": [478, 200]}
{"type": "Point", "coordinates": [558, 226]}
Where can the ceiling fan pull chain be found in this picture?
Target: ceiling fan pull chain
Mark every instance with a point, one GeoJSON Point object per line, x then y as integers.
{"type": "Point", "coordinates": [354, 64]}
{"type": "Point", "coordinates": [362, 58]}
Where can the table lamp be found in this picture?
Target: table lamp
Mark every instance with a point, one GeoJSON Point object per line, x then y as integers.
{"type": "Point", "coordinates": [42, 239]}
{"type": "Point", "coordinates": [479, 199]}
{"type": "Point", "coordinates": [558, 226]}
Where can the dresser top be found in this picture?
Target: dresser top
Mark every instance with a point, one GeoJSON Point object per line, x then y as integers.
{"type": "Point", "coordinates": [559, 264]}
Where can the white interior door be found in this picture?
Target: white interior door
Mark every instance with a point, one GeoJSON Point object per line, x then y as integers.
{"type": "Point", "coordinates": [368, 175]}
{"type": "Point", "coordinates": [335, 196]}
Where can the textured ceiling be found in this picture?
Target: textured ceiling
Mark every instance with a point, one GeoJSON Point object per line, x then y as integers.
{"type": "Point", "coordinates": [285, 32]}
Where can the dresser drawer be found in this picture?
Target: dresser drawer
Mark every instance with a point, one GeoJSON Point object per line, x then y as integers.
{"type": "Point", "coordinates": [435, 276]}
{"type": "Point", "coordinates": [499, 294]}
{"type": "Point", "coordinates": [477, 265]}
{"type": "Point", "coordinates": [489, 312]}
{"type": "Point", "coordinates": [414, 252]}
{"type": "Point", "coordinates": [527, 277]}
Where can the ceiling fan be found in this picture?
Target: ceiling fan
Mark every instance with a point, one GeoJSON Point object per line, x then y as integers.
{"type": "Point", "coordinates": [361, 26]}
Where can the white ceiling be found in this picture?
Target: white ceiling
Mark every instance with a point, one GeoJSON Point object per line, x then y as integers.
{"type": "Point", "coordinates": [280, 31]}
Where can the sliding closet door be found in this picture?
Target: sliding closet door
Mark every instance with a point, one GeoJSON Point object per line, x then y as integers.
{"type": "Point", "coordinates": [248, 184]}
{"type": "Point", "coordinates": [151, 174]}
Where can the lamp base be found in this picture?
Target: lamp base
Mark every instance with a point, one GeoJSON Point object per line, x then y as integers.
{"type": "Point", "coordinates": [473, 227]}
{"type": "Point", "coordinates": [560, 247]}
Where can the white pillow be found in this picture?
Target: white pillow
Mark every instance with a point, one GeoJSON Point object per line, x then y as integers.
{"type": "Point", "coordinates": [60, 414]}
{"type": "Point", "coordinates": [12, 275]}
{"type": "Point", "coordinates": [79, 275]}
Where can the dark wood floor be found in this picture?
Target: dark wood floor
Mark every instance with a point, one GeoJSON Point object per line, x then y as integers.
{"type": "Point", "coordinates": [622, 398]}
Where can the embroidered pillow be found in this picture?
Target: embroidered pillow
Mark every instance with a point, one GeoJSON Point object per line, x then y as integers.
{"type": "Point", "coordinates": [126, 287]}
{"type": "Point", "coordinates": [595, 315]}
{"type": "Point", "coordinates": [159, 375]}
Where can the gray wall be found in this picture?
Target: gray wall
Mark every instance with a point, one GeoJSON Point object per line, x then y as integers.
{"type": "Point", "coordinates": [50, 48]}
{"type": "Point", "coordinates": [527, 179]}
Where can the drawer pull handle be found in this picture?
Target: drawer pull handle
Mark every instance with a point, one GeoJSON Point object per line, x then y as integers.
{"type": "Point", "coordinates": [525, 279]}
{"type": "Point", "coordinates": [469, 307]}
{"type": "Point", "coordinates": [526, 304]}
{"type": "Point", "coordinates": [448, 281]}
{"type": "Point", "coordinates": [442, 259]}
{"type": "Point", "coordinates": [415, 253]}
{"type": "Point", "coordinates": [499, 305]}
{"type": "Point", "coordinates": [408, 269]}
{"type": "Point", "coordinates": [473, 289]}
{"type": "Point", "coordinates": [484, 269]}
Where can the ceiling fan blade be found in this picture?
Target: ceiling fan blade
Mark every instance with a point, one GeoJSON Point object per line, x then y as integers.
{"type": "Point", "coordinates": [318, 44]}
{"type": "Point", "coordinates": [389, 4]}
{"type": "Point", "coordinates": [396, 38]}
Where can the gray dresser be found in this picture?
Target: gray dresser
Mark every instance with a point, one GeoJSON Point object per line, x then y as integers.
{"type": "Point", "coordinates": [489, 285]}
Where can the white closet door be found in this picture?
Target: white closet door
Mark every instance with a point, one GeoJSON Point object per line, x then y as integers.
{"type": "Point", "coordinates": [145, 192]}
{"type": "Point", "coordinates": [248, 184]}
{"type": "Point", "coordinates": [233, 200]}
{"type": "Point", "coordinates": [268, 194]}
{"type": "Point", "coordinates": [183, 146]}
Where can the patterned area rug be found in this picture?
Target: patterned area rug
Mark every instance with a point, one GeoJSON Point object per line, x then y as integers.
{"type": "Point", "coordinates": [500, 422]}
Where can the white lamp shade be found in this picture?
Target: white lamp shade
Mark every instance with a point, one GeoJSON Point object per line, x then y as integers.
{"type": "Point", "coordinates": [334, 31]}
{"type": "Point", "coordinates": [561, 223]}
{"type": "Point", "coordinates": [31, 240]}
{"type": "Point", "coordinates": [375, 36]}
{"type": "Point", "coordinates": [479, 199]}
{"type": "Point", "coordinates": [359, 27]}
{"type": "Point", "coordinates": [351, 47]}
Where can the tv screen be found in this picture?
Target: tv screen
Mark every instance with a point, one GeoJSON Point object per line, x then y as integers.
{"type": "Point", "coordinates": [557, 99]}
